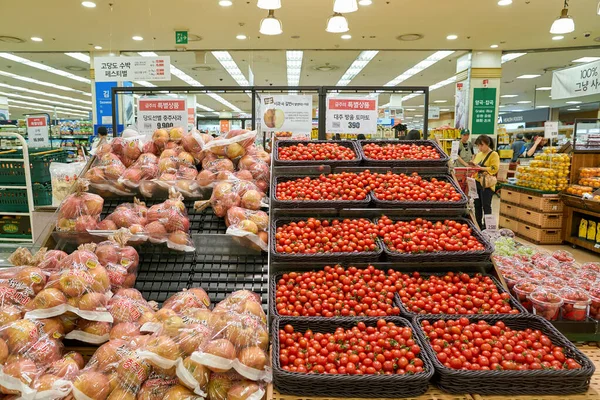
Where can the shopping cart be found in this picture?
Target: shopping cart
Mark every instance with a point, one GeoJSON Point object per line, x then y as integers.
{"type": "Point", "coordinates": [462, 173]}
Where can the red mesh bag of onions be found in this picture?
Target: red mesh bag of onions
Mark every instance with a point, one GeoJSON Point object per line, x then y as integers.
{"type": "Point", "coordinates": [80, 286]}
{"type": "Point", "coordinates": [121, 261]}
{"type": "Point", "coordinates": [239, 338]}
{"type": "Point", "coordinates": [80, 211]}
{"type": "Point", "coordinates": [249, 227]}
{"type": "Point", "coordinates": [235, 193]}
{"type": "Point", "coordinates": [33, 364]}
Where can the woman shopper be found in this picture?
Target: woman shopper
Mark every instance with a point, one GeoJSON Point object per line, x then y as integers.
{"type": "Point", "coordinates": [489, 162]}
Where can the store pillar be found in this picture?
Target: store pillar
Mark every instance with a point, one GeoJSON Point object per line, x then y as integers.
{"type": "Point", "coordinates": [477, 92]}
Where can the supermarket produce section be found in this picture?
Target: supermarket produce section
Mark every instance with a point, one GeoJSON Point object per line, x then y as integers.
{"type": "Point", "coordinates": [185, 267]}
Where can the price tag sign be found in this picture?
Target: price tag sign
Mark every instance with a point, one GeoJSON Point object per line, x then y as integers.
{"type": "Point", "coordinates": [455, 148]}
{"type": "Point", "coordinates": [354, 116]}
{"type": "Point", "coordinates": [119, 69]}
{"type": "Point", "coordinates": [161, 113]}
{"type": "Point", "coordinates": [37, 132]}
{"type": "Point", "coordinates": [551, 129]}
{"type": "Point", "coordinates": [472, 185]}
{"type": "Point", "coordinates": [490, 221]}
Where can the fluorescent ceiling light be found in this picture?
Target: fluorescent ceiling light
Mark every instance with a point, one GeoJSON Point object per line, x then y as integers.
{"type": "Point", "coordinates": [337, 23]}
{"type": "Point", "coordinates": [573, 109]}
{"type": "Point", "coordinates": [418, 115]}
{"type": "Point", "coordinates": [451, 37]}
{"type": "Point", "coordinates": [509, 95]}
{"type": "Point", "coordinates": [523, 102]}
{"type": "Point", "coordinates": [426, 63]}
{"type": "Point", "coordinates": [225, 3]}
{"type": "Point", "coordinates": [501, 106]}
{"type": "Point", "coordinates": [98, 47]}
{"type": "Point", "coordinates": [504, 2]}
{"type": "Point", "coordinates": [444, 109]}
{"type": "Point", "coordinates": [494, 46]}
{"type": "Point", "coordinates": [37, 39]}
{"type": "Point", "coordinates": [60, 103]}
{"type": "Point", "coordinates": [270, 25]}
{"type": "Point", "coordinates": [369, 2]}
{"type": "Point", "coordinates": [346, 37]}
{"type": "Point", "coordinates": [545, 88]}
{"type": "Point", "coordinates": [88, 4]}
{"type": "Point", "coordinates": [528, 76]}
{"type": "Point", "coordinates": [48, 110]}
{"type": "Point", "coordinates": [433, 87]}
{"type": "Point", "coordinates": [69, 110]}
{"type": "Point", "coordinates": [241, 37]}
{"type": "Point", "coordinates": [542, 106]}
{"type": "Point", "coordinates": [586, 59]}
{"type": "Point", "coordinates": [361, 62]}
{"type": "Point", "coordinates": [411, 109]}
{"type": "Point", "coordinates": [563, 24]}
{"type": "Point", "coordinates": [573, 102]}
{"type": "Point", "coordinates": [269, 4]}
{"type": "Point", "coordinates": [137, 38]}
{"type": "Point", "coordinates": [43, 67]}
{"type": "Point", "coordinates": [345, 6]}
{"type": "Point", "coordinates": [294, 66]}
{"type": "Point", "coordinates": [191, 81]}
{"type": "Point", "coordinates": [440, 101]}
{"type": "Point", "coordinates": [511, 56]}
{"type": "Point", "coordinates": [39, 92]}
{"type": "Point", "coordinates": [145, 83]}
{"type": "Point", "coordinates": [558, 37]}
{"type": "Point", "coordinates": [43, 83]}
{"type": "Point", "coordinates": [231, 67]}
{"type": "Point", "coordinates": [79, 56]}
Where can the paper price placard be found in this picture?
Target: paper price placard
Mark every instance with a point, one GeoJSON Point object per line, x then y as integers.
{"type": "Point", "coordinates": [551, 129]}
{"type": "Point", "coordinates": [352, 116]}
{"type": "Point", "coordinates": [37, 132]}
{"type": "Point", "coordinates": [156, 113]}
{"type": "Point", "coordinates": [472, 185]}
{"type": "Point", "coordinates": [455, 148]}
{"type": "Point", "coordinates": [490, 221]}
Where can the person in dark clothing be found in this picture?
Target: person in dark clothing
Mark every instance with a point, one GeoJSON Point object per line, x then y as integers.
{"type": "Point", "coordinates": [360, 136]}
{"type": "Point", "coordinates": [413, 135]}
{"type": "Point", "coordinates": [518, 147]}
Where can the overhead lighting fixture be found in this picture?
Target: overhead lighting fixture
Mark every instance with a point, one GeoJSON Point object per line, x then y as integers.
{"type": "Point", "coordinates": [598, 11]}
{"type": "Point", "coordinates": [573, 102]}
{"type": "Point", "coordinates": [411, 109]}
{"type": "Point", "coordinates": [544, 88]}
{"type": "Point", "coordinates": [573, 109]}
{"type": "Point", "coordinates": [60, 103]}
{"type": "Point", "coordinates": [426, 63]}
{"type": "Point", "coordinates": [345, 6]}
{"type": "Point", "coordinates": [444, 109]}
{"type": "Point", "coordinates": [504, 2]}
{"type": "Point", "coordinates": [451, 37]}
{"type": "Point", "coordinates": [357, 66]}
{"type": "Point", "coordinates": [145, 83]}
{"type": "Point", "coordinates": [46, 105]}
{"type": "Point", "coordinates": [50, 111]}
{"type": "Point", "coordinates": [241, 37]}
{"type": "Point", "coordinates": [509, 95]}
{"type": "Point", "coordinates": [88, 4]}
{"type": "Point", "coordinates": [37, 39]}
{"type": "Point", "coordinates": [79, 56]}
{"type": "Point", "coordinates": [542, 106]}
{"type": "Point", "coordinates": [365, 2]}
{"type": "Point", "coordinates": [559, 37]}
{"type": "Point", "coordinates": [440, 101]}
{"type": "Point", "coordinates": [47, 94]}
{"type": "Point", "coordinates": [270, 25]}
{"type": "Point", "coordinates": [294, 66]}
{"type": "Point", "coordinates": [137, 38]}
{"type": "Point", "coordinates": [511, 56]}
{"type": "Point", "coordinates": [523, 102]}
{"type": "Point", "coordinates": [418, 115]}
{"type": "Point", "coordinates": [433, 87]}
{"type": "Point", "coordinates": [98, 47]}
{"type": "Point", "coordinates": [337, 23]}
{"type": "Point", "coordinates": [528, 76]}
{"type": "Point", "coordinates": [231, 67]}
{"type": "Point", "coordinates": [586, 59]}
{"type": "Point", "coordinates": [43, 67]}
{"type": "Point", "coordinates": [346, 37]}
{"type": "Point", "coordinates": [501, 106]}
{"type": "Point", "coordinates": [494, 46]}
{"type": "Point", "coordinates": [269, 4]}
{"type": "Point", "coordinates": [225, 3]}
{"type": "Point", "coordinates": [43, 83]}
{"type": "Point", "coordinates": [564, 23]}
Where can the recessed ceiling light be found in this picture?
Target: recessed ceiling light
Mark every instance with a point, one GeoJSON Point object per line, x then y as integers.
{"type": "Point", "coordinates": [558, 37]}
{"type": "Point", "coordinates": [88, 4]}
{"type": "Point", "coordinates": [544, 88]}
{"type": "Point", "coordinates": [111, 54]}
{"type": "Point", "coordinates": [418, 116]}
{"type": "Point", "coordinates": [225, 3]}
{"type": "Point", "coordinates": [542, 106]}
{"type": "Point", "coordinates": [509, 95]}
{"type": "Point", "coordinates": [573, 109]}
{"type": "Point", "coordinates": [411, 109]}
{"type": "Point", "coordinates": [573, 102]}
{"type": "Point", "coordinates": [444, 109]}
{"type": "Point", "coordinates": [98, 47]}
{"type": "Point", "coordinates": [365, 2]}
{"type": "Point", "coordinates": [241, 37]}
{"type": "Point", "coordinates": [346, 37]}
{"type": "Point", "coordinates": [586, 59]}
{"type": "Point", "coordinates": [501, 106]}
{"type": "Point", "coordinates": [137, 38]}
{"type": "Point", "coordinates": [451, 37]}
{"type": "Point", "coordinates": [530, 76]}
{"type": "Point", "coordinates": [504, 2]}
{"type": "Point", "coordinates": [36, 39]}
{"type": "Point", "coordinates": [494, 46]}
{"type": "Point", "coordinates": [440, 101]}
{"type": "Point", "coordinates": [524, 102]}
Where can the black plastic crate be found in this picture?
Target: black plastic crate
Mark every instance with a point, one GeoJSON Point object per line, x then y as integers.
{"type": "Point", "coordinates": [155, 289]}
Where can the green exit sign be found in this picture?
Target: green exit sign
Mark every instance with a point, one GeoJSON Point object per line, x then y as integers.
{"type": "Point", "coordinates": [181, 37]}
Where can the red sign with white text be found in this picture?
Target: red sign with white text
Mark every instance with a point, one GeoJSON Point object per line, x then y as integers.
{"type": "Point", "coordinates": [352, 104]}
{"type": "Point", "coordinates": [161, 105]}
{"type": "Point", "coordinates": [36, 121]}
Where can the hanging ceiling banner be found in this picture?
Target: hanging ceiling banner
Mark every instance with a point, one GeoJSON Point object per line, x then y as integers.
{"type": "Point", "coordinates": [582, 80]}
{"type": "Point", "coordinates": [119, 69]}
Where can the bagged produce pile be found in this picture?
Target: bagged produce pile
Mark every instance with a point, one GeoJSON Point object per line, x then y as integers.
{"type": "Point", "coordinates": [80, 211]}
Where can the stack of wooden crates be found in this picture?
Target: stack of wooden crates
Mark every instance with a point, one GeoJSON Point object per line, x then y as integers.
{"type": "Point", "coordinates": [532, 216]}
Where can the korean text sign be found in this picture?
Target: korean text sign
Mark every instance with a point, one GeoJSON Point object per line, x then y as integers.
{"type": "Point", "coordinates": [354, 116]}
{"type": "Point", "coordinates": [119, 69]}
{"type": "Point", "coordinates": [161, 113]}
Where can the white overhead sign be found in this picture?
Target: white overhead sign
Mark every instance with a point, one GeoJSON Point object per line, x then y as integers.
{"type": "Point", "coordinates": [119, 69]}
{"type": "Point", "coordinates": [37, 131]}
{"type": "Point", "coordinates": [352, 115]}
{"type": "Point", "coordinates": [582, 80]}
{"type": "Point", "coordinates": [161, 113]}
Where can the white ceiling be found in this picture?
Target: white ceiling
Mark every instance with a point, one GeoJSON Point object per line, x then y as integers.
{"type": "Point", "coordinates": [523, 25]}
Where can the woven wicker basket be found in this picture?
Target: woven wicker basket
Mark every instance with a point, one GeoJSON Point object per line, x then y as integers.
{"type": "Point", "coordinates": [345, 143]}
{"type": "Point", "coordinates": [441, 162]}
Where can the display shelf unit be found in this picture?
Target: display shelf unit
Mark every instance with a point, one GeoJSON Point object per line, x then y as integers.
{"type": "Point", "coordinates": [572, 218]}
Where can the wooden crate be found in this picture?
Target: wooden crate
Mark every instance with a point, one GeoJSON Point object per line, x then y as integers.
{"type": "Point", "coordinates": [540, 220]}
{"type": "Point", "coordinates": [508, 223]}
{"type": "Point", "coordinates": [540, 236]}
{"type": "Point", "coordinates": [511, 196]}
{"type": "Point", "coordinates": [509, 210]}
{"type": "Point", "coordinates": [546, 204]}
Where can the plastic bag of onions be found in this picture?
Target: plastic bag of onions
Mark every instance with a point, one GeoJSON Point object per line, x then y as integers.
{"type": "Point", "coordinates": [80, 286]}
{"type": "Point", "coordinates": [32, 361]}
{"type": "Point", "coordinates": [233, 144]}
{"type": "Point", "coordinates": [250, 227]}
{"type": "Point", "coordinates": [168, 223]}
{"type": "Point", "coordinates": [235, 193]}
{"type": "Point", "coordinates": [121, 261]}
{"type": "Point", "coordinates": [145, 168]}
{"type": "Point", "coordinates": [132, 216]}
{"type": "Point", "coordinates": [259, 170]}
{"type": "Point", "coordinates": [194, 142]}
{"type": "Point", "coordinates": [80, 211]}
{"type": "Point", "coordinates": [240, 338]}
{"type": "Point", "coordinates": [131, 314]}
{"type": "Point", "coordinates": [232, 386]}
{"type": "Point", "coordinates": [44, 259]}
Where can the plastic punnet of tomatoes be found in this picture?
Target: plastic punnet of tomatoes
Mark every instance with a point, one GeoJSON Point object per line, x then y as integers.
{"type": "Point", "coordinates": [325, 239]}
{"type": "Point", "coordinates": [576, 304]}
{"type": "Point", "coordinates": [428, 238]}
{"type": "Point", "coordinates": [289, 152]}
{"type": "Point", "coordinates": [523, 289]}
{"type": "Point", "coordinates": [546, 303]}
{"type": "Point", "coordinates": [318, 358]}
{"type": "Point", "coordinates": [503, 355]}
{"type": "Point", "coordinates": [335, 291]}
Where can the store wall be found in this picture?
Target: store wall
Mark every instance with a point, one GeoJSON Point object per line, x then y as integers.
{"type": "Point", "coordinates": [445, 119]}
{"type": "Point", "coordinates": [569, 117]}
